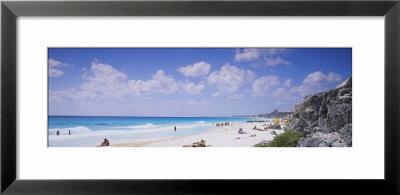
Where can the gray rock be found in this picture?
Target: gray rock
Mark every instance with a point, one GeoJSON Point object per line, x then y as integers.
{"type": "Point", "coordinates": [346, 134]}
{"type": "Point", "coordinates": [325, 118]}
{"type": "Point", "coordinates": [337, 144]}
{"type": "Point", "coordinates": [298, 129]}
{"type": "Point", "coordinates": [338, 116]}
{"type": "Point", "coordinates": [319, 139]}
{"type": "Point", "coordinates": [330, 140]}
{"type": "Point", "coordinates": [297, 124]}
{"type": "Point", "coordinates": [309, 142]}
{"type": "Point", "coordinates": [274, 127]}
{"type": "Point", "coordinates": [273, 133]}
{"type": "Point", "coordinates": [319, 129]}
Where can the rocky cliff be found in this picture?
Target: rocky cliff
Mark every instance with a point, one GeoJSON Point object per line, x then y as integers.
{"type": "Point", "coordinates": [325, 118]}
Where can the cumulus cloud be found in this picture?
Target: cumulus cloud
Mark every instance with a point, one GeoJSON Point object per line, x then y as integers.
{"type": "Point", "coordinates": [195, 70]}
{"type": "Point", "coordinates": [273, 61]}
{"type": "Point", "coordinates": [229, 79]}
{"type": "Point", "coordinates": [249, 54]}
{"type": "Point", "coordinates": [316, 82]}
{"type": "Point", "coordinates": [55, 72]}
{"type": "Point", "coordinates": [54, 67]}
{"type": "Point", "coordinates": [264, 85]}
{"type": "Point", "coordinates": [250, 75]}
{"type": "Point", "coordinates": [160, 83]}
{"type": "Point", "coordinates": [192, 88]}
{"type": "Point", "coordinates": [284, 97]}
{"type": "Point", "coordinates": [103, 80]}
{"type": "Point", "coordinates": [281, 94]}
{"type": "Point", "coordinates": [57, 64]}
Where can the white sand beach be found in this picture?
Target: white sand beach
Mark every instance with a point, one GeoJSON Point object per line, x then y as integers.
{"type": "Point", "coordinates": [226, 136]}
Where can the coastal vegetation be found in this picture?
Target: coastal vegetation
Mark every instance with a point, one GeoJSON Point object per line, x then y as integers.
{"type": "Point", "coordinates": [287, 139]}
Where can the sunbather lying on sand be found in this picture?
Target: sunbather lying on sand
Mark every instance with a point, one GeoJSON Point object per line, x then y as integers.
{"type": "Point", "coordinates": [105, 143]}
{"type": "Point", "coordinates": [258, 129]}
{"type": "Point", "coordinates": [202, 143]}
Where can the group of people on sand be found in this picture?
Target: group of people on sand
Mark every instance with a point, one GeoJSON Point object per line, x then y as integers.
{"type": "Point", "coordinates": [240, 131]}
{"type": "Point", "coordinates": [222, 124]}
{"type": "Point", "coordinates": [58, 132]}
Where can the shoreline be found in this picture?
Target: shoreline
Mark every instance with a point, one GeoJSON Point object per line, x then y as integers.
{"type": "Point", "coordinates": [227, 136]}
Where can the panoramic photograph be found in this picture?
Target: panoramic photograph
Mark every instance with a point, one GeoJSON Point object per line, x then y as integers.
{"type": "Point", "coordinates": [199, 97]}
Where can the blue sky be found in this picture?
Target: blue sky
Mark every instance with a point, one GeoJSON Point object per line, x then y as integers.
{"type": "Point", "coordinates": [189, 81]}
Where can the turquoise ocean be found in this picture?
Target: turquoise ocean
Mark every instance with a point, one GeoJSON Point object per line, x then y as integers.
{"type": "Point", "coordinates": [89, 131]}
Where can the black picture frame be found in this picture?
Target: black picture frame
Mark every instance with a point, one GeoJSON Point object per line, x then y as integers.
{"type": "Point", "coordinates": [11, 10]}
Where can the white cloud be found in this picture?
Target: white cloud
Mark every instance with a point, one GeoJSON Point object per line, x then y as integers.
{"type": "Point", "coordinates": [61, 96]}
{"type": "Point", "coordinates": [57, 64]}
{"type": "Point", "coordinates": [195, 70]}
{"type": "Point", "coordinates": [273, 61]}
{"type": "Point", "coordinates": [281, 94]}
{"type": "Point", "coordinates": [236, 97]}
{"type": "Point", "coordinates": [55, 72]}
{"type": "Point", "coordinates": [264, 84]}
{"type": "Point", "coordinates": [103, 80]}
{"type": "Point", "coordinates": [250, 75]}
{"type": "Point", "coordinates": [192, 88]}
{"type": "Point", "coordinates": [287, 83]}
{"type": "Point", "coordinates": [316, 82]}
{"type": "Point", "coordinates": [160, 83]}
{"type": "Point", "coordinates": [229, 79]}
{"type": "Point", "coordinates": [216, 94]}
{"type": "Point", "coordinates": [284, 97]}
{"type": "Point", "coordinates": [184, 102]}
{"type": "Point", "coordinates": [320, 78]}
{"type": "Point", "coordinates": [249, 54]}
{"type": "Point", "coordinates": [54, 67]}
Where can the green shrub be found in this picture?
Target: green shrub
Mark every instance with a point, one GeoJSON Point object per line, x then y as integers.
{"type": "Point", "coordinates": [287, 139]}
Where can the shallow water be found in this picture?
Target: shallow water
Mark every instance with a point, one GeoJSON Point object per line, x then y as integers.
{"type": "Point", "coordinates": [91, 130]}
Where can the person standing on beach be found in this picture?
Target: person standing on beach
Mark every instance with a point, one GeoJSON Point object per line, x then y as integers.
{"type": "Point", "coordinates": [175, 128]}
{"type": "Point", "coordinates": [69, 132]}
{"type": "Point", "coordinates": [58, 132]}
